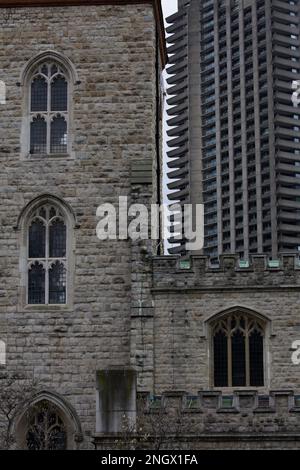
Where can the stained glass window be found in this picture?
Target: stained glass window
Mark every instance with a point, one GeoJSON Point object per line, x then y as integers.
{"type": "Point", "coordinates": [47, 251]}
{"type": "Point", "coordinates": [49, 98]}
{"type": "Point", "coordinates": [238, 351]}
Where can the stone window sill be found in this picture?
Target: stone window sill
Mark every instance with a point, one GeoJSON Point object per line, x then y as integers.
{"type": "Point", "coordinates": [295, 409]}
{"type": "Point", "coordinates": [55, 156]}
{"type": "Point", "coordinates": [46, 308]}
{"type": "Point", "coordinates": [264, 410]}
{"type": "Point", "coordinates": [228, 410]}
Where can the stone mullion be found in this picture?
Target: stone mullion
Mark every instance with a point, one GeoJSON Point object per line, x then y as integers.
{"type": "Point", "coordinates": [247, 354]}
{"type": "Point", "coordinates": [47, 266]}
{"type": "Point", "coordinates": [49, 116]}
{"type": "Point", "coordinates": [229, 353]}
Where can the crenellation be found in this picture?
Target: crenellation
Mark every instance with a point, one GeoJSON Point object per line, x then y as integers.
{"type": "Point", "coordinates": [167, 273]}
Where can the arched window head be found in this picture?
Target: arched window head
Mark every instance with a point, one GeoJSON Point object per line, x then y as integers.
{"type": "Point", "coordinates": [48, 82]}
{"type": "Point", "coordinates": [48, 422]}
{"type": "Point", "coordinates": [238, 350]}
{"type": "Point", "coordinates": [47, 256]}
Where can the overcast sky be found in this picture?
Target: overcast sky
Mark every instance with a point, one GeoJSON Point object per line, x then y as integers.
{"type": "Point", "coordinates": [169, 6]}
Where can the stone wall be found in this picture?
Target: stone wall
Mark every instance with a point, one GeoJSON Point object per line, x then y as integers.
{"type": "Point", "coordinates": [172, 354]}
{"type": "Point", "coordinates": [113, 49]}
{"type": "Point", "coordinates": [206, 422]}
{"type": "Point", "coordinates": [186, 299]}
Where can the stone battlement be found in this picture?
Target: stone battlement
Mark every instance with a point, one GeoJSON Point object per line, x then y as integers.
{"type": "Point", "coordinates": [174, 272]}
{"type": "Point", "coordinates": [213, 420]}
{"type": "Point", "coordinates": [241, 401]}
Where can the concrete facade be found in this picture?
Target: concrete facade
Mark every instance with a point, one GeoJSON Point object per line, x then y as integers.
{"type": "Point", "coordinates": [235, 140]}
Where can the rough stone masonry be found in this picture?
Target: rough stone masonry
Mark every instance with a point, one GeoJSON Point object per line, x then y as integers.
{"type": "Point", "coordinates": [130, 313]}
{"type": "Point", "coordinates": [115, 52]}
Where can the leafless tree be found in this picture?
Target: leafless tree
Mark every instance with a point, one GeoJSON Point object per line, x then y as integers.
{"type": "Point", "coordinates": [46, 430]}
{"type": "Point", "coordinates": [15, 391]}
{"type": "Point", "coordinates": [154, 429]}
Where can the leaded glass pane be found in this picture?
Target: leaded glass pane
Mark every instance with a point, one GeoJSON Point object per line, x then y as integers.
{"type": "Point", "coordinates": [59, 94]}
{"type": "Point", "coordinates": [238, 359]}
{"type": "Point", "coordinates": [37, 239]}
{"type": "Point", "coordinates": [52, 212]}
{"type": "Point", "coordinates": [57, 284]}
{"type": "Point", "coordinates": [256, 351]}
{"type": "Point", "coordinates": [58, 137]}
{"type": "Point", "coordinates": [45, 70]}
{"type": "Point", "coordinates": [220, 360]}
{"type": "Point", "coordinates": [42, 213]}
{"type": "Point", "coordinates": [39, 94]}
{"type": "Point", "coordinates": [38, 136]}
{"type": "Point", "coordinates": [36, 284]}
{"type": "Point", "coordinates": [57, 239]}
{"type": "Point", "coordinates": [54, 69]}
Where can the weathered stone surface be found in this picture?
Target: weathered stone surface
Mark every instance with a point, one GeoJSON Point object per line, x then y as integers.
{"type": "Point", "coordinates": [113, 49]}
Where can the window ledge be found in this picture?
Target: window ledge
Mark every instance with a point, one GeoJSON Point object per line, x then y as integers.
{"type": "Point", "coordinates": [191, 410]}
{"type": "Point", "coordinates": [228, 410]}
{"type": "Point", "coordinates": [264, 410]}
{"type": "Point", "coordinates": [247, 390]}
{"type": "Point", "coordinates": [295, 409]}
{"type": "Point", "coordinates": [45, 308]}
{"type": "Point", "coordinates": [49, 156]}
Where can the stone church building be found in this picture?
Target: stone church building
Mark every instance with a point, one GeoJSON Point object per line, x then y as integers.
{"type": "Point", "coordinates": [99, 323]}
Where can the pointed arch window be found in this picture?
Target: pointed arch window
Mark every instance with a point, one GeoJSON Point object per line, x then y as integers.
{"type": "Point", "coordinates": [49, 110]}
{"type": "Point", "coordinates": [47, 256]}
{"type": "Point", "coordinates": [45, 430]}
{"type": "Point", "coordinates": [238, 351]}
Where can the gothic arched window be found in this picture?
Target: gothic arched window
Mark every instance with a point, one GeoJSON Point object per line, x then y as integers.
{"type": "Point", "coordinates": [46, 429]}
{"type": "Point", "coordinates": [238, 351]}
{"type": "Point", "coordinates": [47, 256]}
{"type": "Point", "coordinates": [48, 109]}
